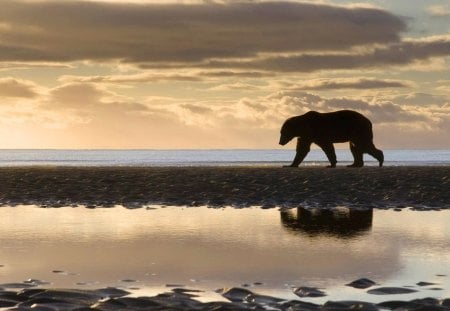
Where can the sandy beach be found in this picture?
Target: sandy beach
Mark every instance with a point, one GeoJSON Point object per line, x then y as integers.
{"type": "Point", "coordinates": [368, 187]}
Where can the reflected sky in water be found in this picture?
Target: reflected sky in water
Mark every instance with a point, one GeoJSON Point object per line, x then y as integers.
{"type": "Point", "coordinates": [212, 248]}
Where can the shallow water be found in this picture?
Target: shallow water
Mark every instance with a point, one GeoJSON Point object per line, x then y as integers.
{"type": "Point", "coordinates": [213, 157]}
{"type": "Point", "coordinates": [213, 248]}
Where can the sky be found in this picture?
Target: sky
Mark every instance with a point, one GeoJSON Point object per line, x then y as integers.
{"type": "Point", "coordinates": [219, 74]}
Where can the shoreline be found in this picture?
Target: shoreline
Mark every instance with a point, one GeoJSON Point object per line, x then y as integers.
{"type": "Point", "coordinates": [416, 187]}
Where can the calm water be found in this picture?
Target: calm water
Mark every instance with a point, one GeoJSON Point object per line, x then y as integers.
{"type": "Point", "coordinates": [207, 157]}
{"type": "Point", "coordinates": [214, 248]}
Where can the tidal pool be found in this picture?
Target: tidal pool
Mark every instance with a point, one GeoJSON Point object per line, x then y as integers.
{"type": "Point", "coordinates": [270, 251]}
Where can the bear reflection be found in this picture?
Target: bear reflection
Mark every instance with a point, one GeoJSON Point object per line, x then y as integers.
{"type": "Point", "coordinates": [342, 223]}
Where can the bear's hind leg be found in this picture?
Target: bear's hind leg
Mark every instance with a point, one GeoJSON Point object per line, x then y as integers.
{"type": "Point", "coordinates": [376, 153]}
{"type": "Point", "coordinates": [357, 156]}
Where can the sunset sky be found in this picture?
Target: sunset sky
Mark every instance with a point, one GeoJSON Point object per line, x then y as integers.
{"type": "Point", "coordinates": [219, 74]}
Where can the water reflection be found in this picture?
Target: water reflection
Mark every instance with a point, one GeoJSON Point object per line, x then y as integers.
{"type": "Point", "coordinates": [214, 248]}
{"type": "Point", "coordinates": [342, 223]}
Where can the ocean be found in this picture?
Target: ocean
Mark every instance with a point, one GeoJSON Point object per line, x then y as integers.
{"type": "Point", "coordinates": [213, 157]}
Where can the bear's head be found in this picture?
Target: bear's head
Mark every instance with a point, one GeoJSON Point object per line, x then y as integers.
{"type": "Point", "coordinates": [287, 131]}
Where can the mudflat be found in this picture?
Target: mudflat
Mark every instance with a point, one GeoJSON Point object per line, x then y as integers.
{"type": "Point", "coordinates": [421, 187]}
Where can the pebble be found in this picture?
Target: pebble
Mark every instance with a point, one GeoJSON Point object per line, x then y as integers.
{"type": "Point", "coordinates": [309, 292]}
{"type": "Point", "coordinates": [425, 284]}
{"type": "Point", "coordinates": [361, 283]}
{"type": "Point", "coordinates": [235, 294]}
{"type": "Point", "coordinates": [391, 291]}
{"type": "Point", "coordinates": [114, 299]}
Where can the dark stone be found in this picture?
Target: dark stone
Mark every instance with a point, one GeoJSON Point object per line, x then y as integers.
{"type": "Point", "coordinates": [5, 303]}
{"type": "Point", "coordinates": [391, 291]}
{"type": "Point", "coordinates": [393, 304]}
{"type": "Point", "coordinates": [29, 292]}
{"type": "Point", "coordinates": [263, 299]}
{"type": "Point", "coordinates": [349, 305]}
{"type": "Point", "coordinates": [425, 284]}
{"type": "Point", "coordinates": [139, 302]}
{"type": "Point", "coordinates": [73, 296]}
{"type": "Point", "coordinates": [361, 283]}
{"type": "Point", "coordinates": [309, 292]}
{"type": "Point", "coordinates": [237, 294]}
{"type": "Point", "coordinates": [425, 301]}
{"type": "Point", "coordinates": [32, 301]}
{"type": "Point", "coordinates": [299, 305]}
{"type": "Point", "coordinates": [446, 302]}
{"type": "Point", "coordinates": [174, 285]}
{"type": "Point", "coordinates": [186, 290]}
{"type": "Point", "coordinates": [13, 296]}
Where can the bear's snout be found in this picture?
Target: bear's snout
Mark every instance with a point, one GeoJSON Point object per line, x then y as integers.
{"type": "Point", "coordinates": [284, 140]}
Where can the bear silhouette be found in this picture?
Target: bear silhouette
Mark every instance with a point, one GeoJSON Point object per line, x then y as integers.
{"type": "Point", "coordinates": [341, 223]}
{"type": "Point", "coordinates": [324, 129]}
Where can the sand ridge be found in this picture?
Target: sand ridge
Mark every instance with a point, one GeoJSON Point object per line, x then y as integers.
{"type": "Point", "coordinates": [425, 187]}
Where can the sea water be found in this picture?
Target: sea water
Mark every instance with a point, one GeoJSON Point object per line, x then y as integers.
{"type": "Point", "coordinates": [212, 157]}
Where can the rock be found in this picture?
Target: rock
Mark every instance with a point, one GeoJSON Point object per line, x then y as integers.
{"type": "Point", "coordinates": [174, 285]}
{"type": "Point", "coordinates": [299, 305]}
{"type": "Point", "coordinates": [361, 283]}
{"type": "Point", "coordinates": [309, 292]}
{"type": "Point", "coordinates": [6, 303]}
{"type": "Point", "coordinates": [186, 290]}
{"type": "Point", "coordinates": [393, 304]}
{"type": "Point", "coordinates": [138, 302]}
{"type": "Point", "coordinates": [29, 292]}
{"type": "Point", "coordinates": [446, 302]}
{"type": "Point", "coordinates": [425, 284]}
{"type": "Point", "coordinates": [349, 305]}
{"type": "Point", "coordinates": [73, 296]}
{"type": "Point", "coordinates": [236, 294]}
{"type": "Point", "coordinates": [263, 299]}
{"type": "Point", "coordinates": [391, 291]}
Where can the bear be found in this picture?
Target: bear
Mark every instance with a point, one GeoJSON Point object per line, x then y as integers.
{"type": "Point", "coordinates": [324, 129]}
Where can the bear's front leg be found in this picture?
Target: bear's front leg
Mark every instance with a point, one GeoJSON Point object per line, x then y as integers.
{"type": "Point", "coordinates": [328, 148]}
{"type": "Point", "coordinates": [303, 147]}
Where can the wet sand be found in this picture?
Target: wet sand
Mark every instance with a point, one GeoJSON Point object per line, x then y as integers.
{"type": "Point", "coordinates": [368, 187]}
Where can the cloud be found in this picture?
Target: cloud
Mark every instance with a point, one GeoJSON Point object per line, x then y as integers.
{"type": "Point", "coordinates": [131, 78]}
{"type": "Point", "coordinates": [90, 115]}
{"type": "Point", "coordinates": [439, 10]}
{"type": "Point", "coordinates": [164, 76]}
{"type": "Point", "coordinates": [380, 111]}
{"type": "Point", "coordinates": [237, 86]}
{"type": "Point", "coordinates": [401, 53]}
{"type": "Point", "coordinates": [16, 88]}
{"type": "Point", "coordinates": [181, 33]}
{"type": "Point", "coordinates": [346, 83]}
{"type": "Point", "coordinates": [420, 99]}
